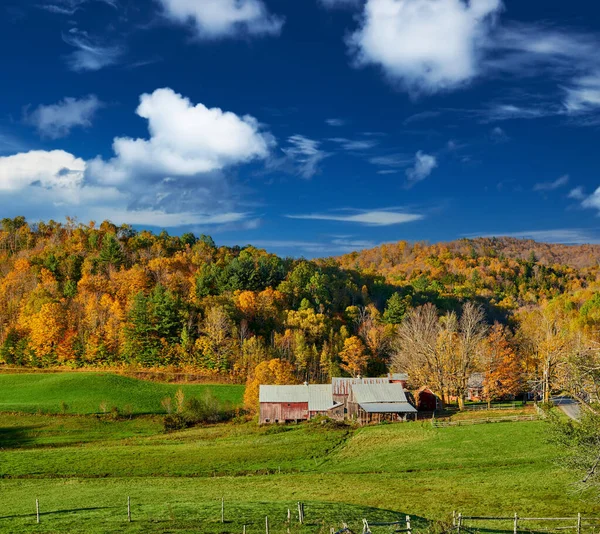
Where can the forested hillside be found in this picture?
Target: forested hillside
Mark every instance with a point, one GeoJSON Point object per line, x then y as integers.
{"type": "Point", "coordinates": [92, 295]}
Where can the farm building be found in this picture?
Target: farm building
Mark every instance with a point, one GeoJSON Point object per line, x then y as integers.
{"type": "Point", "coordinates": [427, 400]}
{"type": "Point", "coordinates": [364, 399]}
{"type": "Point", "coordinates": [287, 404]}
{"type": "Point", "coordinates": [475, 387]}
{"type": "Point", "coordinates": [378, 402]}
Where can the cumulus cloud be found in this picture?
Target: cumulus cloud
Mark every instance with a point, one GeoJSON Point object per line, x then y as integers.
{"type": "Point", "coordinates": [90, 54]}
{"type": "Point", "coordinates": [56, 169]}
{"type": "Point", "coordinates": [177, 176]}
{"type": "Point", "coordinates": [370, 218]}
{"type": "Point", "coordinates": [425, 46]}
{"type": "Point", "coordinates": [554, 184]}
{"type": "Point", "coordinates": [185, 140]}
{"type": "Point", "coordinates": [422, 168]}
{"type": "Point", "coordinates": [431, 46]}
{"type": "Point", "coordinates": [57, 120]}
{"type": "Point", "coordinates": [215, 19]}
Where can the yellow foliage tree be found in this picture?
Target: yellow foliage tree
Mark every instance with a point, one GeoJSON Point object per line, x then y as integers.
{"type": "Point", "coordinates": [275, 371]}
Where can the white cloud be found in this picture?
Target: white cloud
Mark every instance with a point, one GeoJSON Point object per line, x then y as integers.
{"type": "Point", "coordinates": [577, 193]}
{"type": "Point", "coordinates": [304, 154]}
{"type": "Point", "coordinates": [185, 140]}
{"type": "Point", "coordinates": [70, 7]}
{"type": "Point", "coordinates": [175, 177]}
{"type": "Point", "coordinates": [215, 19]}
{"type": "Point", "coordinates": [551, 186]}
{"type": "Point", "coordinates": [371, 218]}
{"type": "Point", "coordinates": [426, 46]}
{"type": "Point", "coordinates": [584, 94]}
{"type": "Point", "coordinates": [391, 160]}
{"type": "Point", "coordinates": [335, 122]}
{"type": "Point", "coordinates": [429, 46]}
{"type": "Point", "coordinates": [57, 120]}
{"type": "Point", "coordinates": [51, 170]}
{"type": "Point", "coordinates": [354, 144]}
{"type": "Point", "coordinates": [90, 54]}
{"type": "Point", "coordinates": [423, 167]}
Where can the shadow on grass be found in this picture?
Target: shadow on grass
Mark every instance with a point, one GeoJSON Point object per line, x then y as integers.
{"type": "Point", "coordinates": [15, 437]}
{"type": "Point", "coordinates": [58, 512]}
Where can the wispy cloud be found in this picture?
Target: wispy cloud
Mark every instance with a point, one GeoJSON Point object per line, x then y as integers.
{"type": "Point", "coordinates": [70, 7]}
{"type": "Point", "coordinates": [335, 122]}
{"type": "Point", "coordinates": [498, 135]}
{"type": "Point", "coordinates": [551, 186]}
{"type": "Point", "coordinates": [305, 155]}
{"type": "Point", "coordinates": [354, 145]}
{"type": "Point", "coordinates": [90, 54]}
{"type": "Point", "coordinates": [57, 120]}
{"type": "Point", "coordinates": [577, 193]}
{"type": "Point", "coordinates": [422, 168]}
{"type": "Point", "coordinates": [381, 217]}
{"type": "Point", "coordinates": [423, 116]}
{"type": "Point", "coordinates": [392, 160]}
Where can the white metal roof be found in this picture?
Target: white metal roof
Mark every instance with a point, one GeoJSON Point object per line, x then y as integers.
{"type": "Point", "coordinates": [365, 393]}
{"type": "Point", "coordinates": [388, 407]}
{"type": "Point", "coordinates": [283, 393]}
{"type": "Point", "coordinates": [341, 385]}
{"type": "Point", "coordinates": [320, 397]}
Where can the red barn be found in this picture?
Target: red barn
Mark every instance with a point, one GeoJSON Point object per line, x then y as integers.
{"type": "Point", "coordinates": [289, 404]}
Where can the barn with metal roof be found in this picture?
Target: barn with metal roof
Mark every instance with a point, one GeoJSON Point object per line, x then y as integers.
{"type": "Point", "coordinates": [378, 402]}
{"type": "Point", "coordinates": [284, 404]}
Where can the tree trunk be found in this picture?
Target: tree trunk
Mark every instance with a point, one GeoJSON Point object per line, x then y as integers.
{"type": "Point", "coordinates": [461, 402]}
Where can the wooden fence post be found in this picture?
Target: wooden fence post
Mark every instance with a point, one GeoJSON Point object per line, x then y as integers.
{"type": "Point", "coordinates": [244, 530]}
{"type": "Point", "coordinates": [37, 510]}
{"type": "Point", "coordinates": [300, 515]}
{"type": "Point", "coordinates": [267, 524]}
{"type": "Point", "coordinates": [453, 518]}
{"type": "Point", "coordinates": [516, 525]}
{"type": "Point", "coordinates": [222, 509]}
{"type": "Point", "coordinates": [408, 529]}
{"type": "Point", "coordinates": [579, 523]}
{"type": "Point", "coordinates": [459, 523]}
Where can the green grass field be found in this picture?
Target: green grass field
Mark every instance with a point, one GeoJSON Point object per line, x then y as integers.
{"type": "Point", "coordinates": [84, 392]}
{"type": "Point", "coordinates": [82, 468]}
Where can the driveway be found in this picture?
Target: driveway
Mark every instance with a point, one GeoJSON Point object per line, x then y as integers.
{"type": "Point", "coordinates": [569, 406]}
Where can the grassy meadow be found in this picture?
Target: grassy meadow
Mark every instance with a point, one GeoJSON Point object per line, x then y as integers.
{"type": "Point", "coordinates": [83, 467]}
{"type": "Point", "coordinates": [83, 393]}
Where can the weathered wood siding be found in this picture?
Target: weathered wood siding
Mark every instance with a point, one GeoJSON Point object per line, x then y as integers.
{"type": "Point", "coordinates": [280, 412]}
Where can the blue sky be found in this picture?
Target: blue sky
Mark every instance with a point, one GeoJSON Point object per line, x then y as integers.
{"type": "Point", "coordinates": [307, 127]}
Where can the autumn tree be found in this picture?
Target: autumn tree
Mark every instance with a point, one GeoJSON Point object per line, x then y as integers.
{"type": "Point", "coordinates": [501, 365]}
{"type": "Point", "coordinates": [353, 356]}
{"type": "Point", "coordinates": [272, 372]}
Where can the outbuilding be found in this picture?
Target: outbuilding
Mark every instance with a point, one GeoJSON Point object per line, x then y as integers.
{"type": "Point", "coordinates": [289, 404]}
{"type": "Point", "coordinates": [370, 403]}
